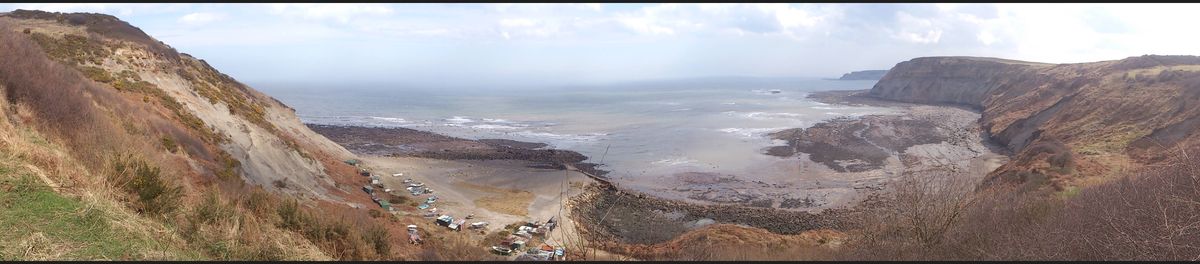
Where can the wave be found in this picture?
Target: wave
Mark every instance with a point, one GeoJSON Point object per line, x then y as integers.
{"type": "Point", "coordinates": [561, 137]}
{"type": "Point", "coordinates": [751, 132]}
{"type": "Point", "coordinates": [367, 121]}
{"type": "Point", "coordinates": [674, 161]}
{"type": "Point", "coordinates": [828, 108]}
{"type": "Point", "coordinates": [765, 115]}
{"type": "Point", "coordinates": [500, 127]}
{"type": "Point", "coordinates": [458, 120]}
{"type": "Point", "coordinates": [390, 119]}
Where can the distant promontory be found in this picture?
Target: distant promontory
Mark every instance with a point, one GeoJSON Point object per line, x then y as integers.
{"type": "Point", "coordinates": [864, 75]}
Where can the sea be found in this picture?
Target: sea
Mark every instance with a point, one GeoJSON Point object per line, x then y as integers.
{"type": "Point", "coordinates": [637, 130]}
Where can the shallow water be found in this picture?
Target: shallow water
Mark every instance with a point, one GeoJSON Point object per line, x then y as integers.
{"type": "Point", "coordinates": [649, 129]}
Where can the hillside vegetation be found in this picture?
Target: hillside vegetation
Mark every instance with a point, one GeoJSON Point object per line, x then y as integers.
{"type": "Point", "coordinates": [1070, 125]}
{"type": "Point", "coordinates": [116, 146]}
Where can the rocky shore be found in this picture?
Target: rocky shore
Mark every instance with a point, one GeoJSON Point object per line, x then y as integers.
{"type": "Point", "coordinates": [845, 164]}
{"type": "Point", "coordinates": [609, 213]}
{"type": "Point", "coordinates": [841, 164]}
{"type": "Point", "coordinates": [922, 137]}
{"type": "Point", "coordinates": [405, 142]}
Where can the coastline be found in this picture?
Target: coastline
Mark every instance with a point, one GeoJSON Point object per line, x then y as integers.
{"type": "Point", "coordinates": [840, 166]}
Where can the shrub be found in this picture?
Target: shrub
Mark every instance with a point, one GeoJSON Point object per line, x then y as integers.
{"type": "Point", "coordinates": [155, 195]}
{"type": "Point", "coordinates": [399, 199]}
{"type": "Point", "coordinates": [213, 209]}
{"type": "Point", "coordinates": [259, 202]}
{"type": "Point", "coordinates": [96, 74]}
{"type": "Point", "coordinates": [228, 165]}
{"type": "Point", "coordinates": [72, 48]}
{"type": "Point", "coordinates": [378, 237]}
{"type": "Point", "coordinates": [169, 144]}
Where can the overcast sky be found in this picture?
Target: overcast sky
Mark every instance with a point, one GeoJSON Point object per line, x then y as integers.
{"type": "Point", "coordinates": [552, 44]}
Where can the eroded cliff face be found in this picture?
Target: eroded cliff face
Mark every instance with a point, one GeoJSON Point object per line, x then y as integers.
{"type": "Point", "coordinates": [1067, 124]}
{"type": "Point", "coordinates": [218, 121]}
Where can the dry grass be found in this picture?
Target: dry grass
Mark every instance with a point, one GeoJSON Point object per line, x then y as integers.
{"type": "Point", "coordinates": [81, 121]}
{"type": "Point", "coordinates": [1149, 214]}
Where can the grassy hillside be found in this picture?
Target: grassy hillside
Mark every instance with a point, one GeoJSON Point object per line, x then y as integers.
{"type": "Point", "coordinates": [115, 146]}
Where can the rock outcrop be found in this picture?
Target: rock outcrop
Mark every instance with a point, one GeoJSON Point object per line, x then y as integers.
{"type": "Point", "coordinates": [863, 75]}
{"type": "Point", "coordinates": [1066, 123]}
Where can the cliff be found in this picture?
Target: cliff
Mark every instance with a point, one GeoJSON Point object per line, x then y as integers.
{"type": "Point", "coordinates": [1067, 124]}
{"type": "Point", "coordinates": [133, 137]}
{"type": "Point", "coordinates": [863, 75]}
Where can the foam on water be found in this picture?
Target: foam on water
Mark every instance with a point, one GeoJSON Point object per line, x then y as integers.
{"type": "Point", "coordinates": [650, 129]}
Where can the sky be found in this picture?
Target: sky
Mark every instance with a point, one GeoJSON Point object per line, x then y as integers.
{"type": "Point", "coordinates": [449, 44]}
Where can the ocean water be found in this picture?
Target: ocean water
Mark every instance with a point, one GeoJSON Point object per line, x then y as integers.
{"type": "Point", "coordinates": [637, 130]}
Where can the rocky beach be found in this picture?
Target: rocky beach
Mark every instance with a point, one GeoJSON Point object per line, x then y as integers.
{"type": "Point", "coordinates": [834, 167]}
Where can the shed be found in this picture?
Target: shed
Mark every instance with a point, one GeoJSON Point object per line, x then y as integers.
{"type": "Point", "coordinates": [444, 220]}
{"type": "Point", "coordinates": [368, 189]}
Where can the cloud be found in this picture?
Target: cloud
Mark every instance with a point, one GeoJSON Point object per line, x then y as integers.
{"type": "Point", "coordinates": [917, 30]}
{"type": "Point", "coordinates": [342, 13]}
{"type": "Point", "coordinates": [670, 39]}
{"type": "Point", "coordinates": [199, 18]}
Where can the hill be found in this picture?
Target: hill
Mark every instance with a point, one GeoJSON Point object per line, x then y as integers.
{"type": "Point", "coordinates": [117, 146]}
{"type": "Point", "coordinates": [863, 75]}
{"type": "Point", "coordinates": [1069, 124]}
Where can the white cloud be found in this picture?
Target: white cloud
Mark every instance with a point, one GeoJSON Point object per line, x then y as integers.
{"type": "Point", "coordinates": [645, 26]}
{"type": "Point", "coordinates": [917, 30]}
{"type": "Point", "coordinates": [199, 18]}
{"type": "Point", "coordinates": [70, 7]}
{"type": "Point", "coordinates": [986, 38]}
{"type": "Point", "coordinates": [736, 38]}
{"type": "Point", "coordinates": [517, 22]}
{"type": "Point", "coordinates": [339, 12]}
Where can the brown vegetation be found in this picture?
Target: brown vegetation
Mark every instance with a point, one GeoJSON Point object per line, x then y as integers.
{"type": "Point", "coordinates": [1094, 114]}
{"type": "Point", "coordinates": [1150, 215]}
{"type": "Point", "coordinates": [71, 103]}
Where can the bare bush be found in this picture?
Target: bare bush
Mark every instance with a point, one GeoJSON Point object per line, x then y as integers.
{"type": "Point", "coordinates": [1151, 215]}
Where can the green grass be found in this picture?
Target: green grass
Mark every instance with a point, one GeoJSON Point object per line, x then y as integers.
{"type": "Point", "coordinates": [27, 206]}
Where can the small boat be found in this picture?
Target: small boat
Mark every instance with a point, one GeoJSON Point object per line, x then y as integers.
{"type": "Point", "coordinates": [501, 250]}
